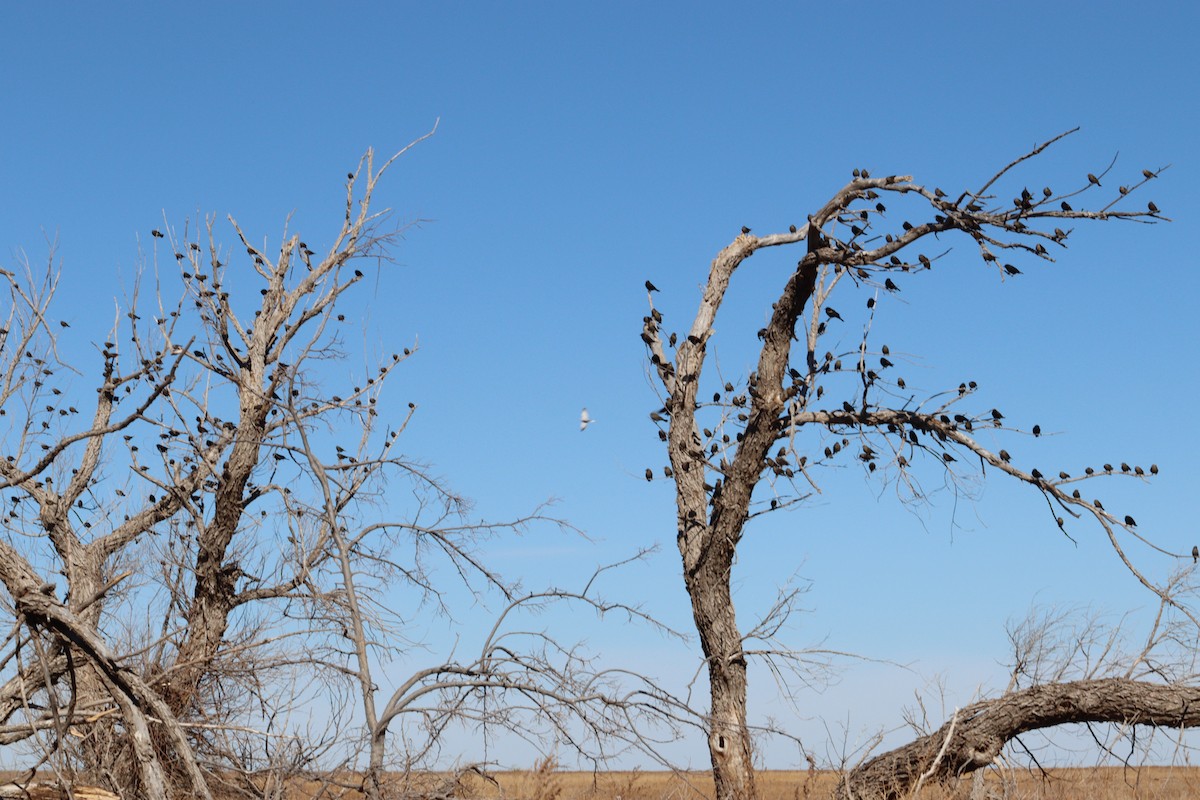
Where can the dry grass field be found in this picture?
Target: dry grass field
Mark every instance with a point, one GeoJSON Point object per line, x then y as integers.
{"type": "Point", "coordinates": [545, 782]}
{"type": "Point", "coordinates": [1159, 783]}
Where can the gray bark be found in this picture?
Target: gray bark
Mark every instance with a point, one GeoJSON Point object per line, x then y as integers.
{"type": "Point", "coordinates": [980, 731]}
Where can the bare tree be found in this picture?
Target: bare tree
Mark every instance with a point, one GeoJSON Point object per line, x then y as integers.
{"type": "Point", "coordinates": [235, 496]}
{"type": "Point", "coordinates": [725, 442]}
{"type": "Point", "coordinates": [1068, 668]}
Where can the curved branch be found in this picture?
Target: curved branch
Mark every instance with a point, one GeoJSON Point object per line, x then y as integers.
{"type": "Point", "coordinates": [977, 734]}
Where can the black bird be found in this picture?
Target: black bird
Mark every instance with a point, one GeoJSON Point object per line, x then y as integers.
{"type": "Point", "coordinates": [1011, 270]}
{"type": "Point", "coordinates": [1130, 522]}
{"type": "Point", "coordinates": [884, 363]}
{"type": "Point", "coordinates": [745, 229]}
{"type": "Point", "coordinates": [1153, 208]}
{"type": "Point", "coordinates": [885, 350]}
{"type": "Point", "coordinates": [947, 457]}
{"type": "Point", "coordinates": [650, 287]}
{"type": "Point", "coordinates": [1093, 179]}
{"type": "Point", "coordinates": [890, 286]}
{"type": "Point", "coordinates": [1098, 504]}
{"type": "Point", "coordinates": [996, 415]}
{"type": "Point", "coordinates": [1147, 174]}
{"type": "Point", "coordinates": [1154, 469]}
{"type": "Point", "coordinates": [1124, 467]}
{"type": "Point", "coordinates": [1108, 467]}
{"type": "Point", "coordinates": [1037, 430]}
{"type": "Point", "coordinates": [1036, 475]}
{"type": "Point", "coordinates": [1005, 457]}
{"type": "Point", "coordinates": [649, 474]}
{"type": "Point", "coordinates": [832, 313]}
{"type": "Point", "coordinates": [870, 302]}
{"type": "Point", "coordinates": [1195, 554]}
{"type": "Point", "coordinates": [791, 228]}
{"type": "Point", "coordinates": [1065, 206]}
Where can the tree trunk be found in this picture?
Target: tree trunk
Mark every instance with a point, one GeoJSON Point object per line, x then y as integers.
{"type": "Point", "coordinates": [728, 738]}
{"type": "Point", "coordinates": [979, 732]}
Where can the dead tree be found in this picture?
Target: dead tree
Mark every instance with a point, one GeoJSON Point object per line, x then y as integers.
{"type": "Point", "coordinates": [197, 408]}
{"type": "Point", "coordinates": [239, 494]}
{"type": "Point", "coordinates": [1065, 670]}
{"type": "Point", "coordinates": [724, 442]}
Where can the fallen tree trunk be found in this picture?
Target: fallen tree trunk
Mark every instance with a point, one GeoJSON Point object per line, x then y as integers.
{"type": "Point", "coordinates": [974, 737]}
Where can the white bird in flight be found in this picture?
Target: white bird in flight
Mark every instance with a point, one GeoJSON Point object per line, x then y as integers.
{"type": "Point", "coordinates": [584, 420]}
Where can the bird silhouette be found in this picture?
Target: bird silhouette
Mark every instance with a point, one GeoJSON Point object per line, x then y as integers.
{"type": "Point", "coordinates": [832, 313]}
{"type": "Point", "coordinates": [584, 420]}
{"type": "Point", "coordinates": [1195, 554]}
{"type": "Point", "coordinates": [650, 287]}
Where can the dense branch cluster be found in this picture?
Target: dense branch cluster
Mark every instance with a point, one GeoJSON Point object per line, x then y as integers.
{"type": "Point", "coordinates": [228, 491]}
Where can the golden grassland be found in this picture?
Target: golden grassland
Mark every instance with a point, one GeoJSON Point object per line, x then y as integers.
{"type": "Point", "coordinates": [1099, 783]}
{"type": "Point", "coordinates": [546, 782]}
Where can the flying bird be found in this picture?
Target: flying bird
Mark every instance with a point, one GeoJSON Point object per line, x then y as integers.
{"type": "Point", "coordinates": [584, 420]}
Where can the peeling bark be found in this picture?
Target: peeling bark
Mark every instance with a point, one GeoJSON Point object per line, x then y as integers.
{"type": "Point", "coordinates": [980, 731]}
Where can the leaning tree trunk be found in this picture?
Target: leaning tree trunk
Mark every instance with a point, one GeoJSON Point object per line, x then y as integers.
{"type": "Point", "coordinates": [979, 732]}
{"type": "Point", "coordinates": [728, 737]}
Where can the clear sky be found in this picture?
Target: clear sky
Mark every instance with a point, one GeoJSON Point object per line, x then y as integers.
{"type": "Point", "coordinates": [584, 148]}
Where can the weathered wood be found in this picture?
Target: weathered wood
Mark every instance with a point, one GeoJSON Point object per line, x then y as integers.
{"type": "Point", "coordinates": [979, 732]}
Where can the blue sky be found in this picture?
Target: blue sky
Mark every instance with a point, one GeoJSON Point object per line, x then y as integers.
{"type": "Point", "coordinates": [583, 148]}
